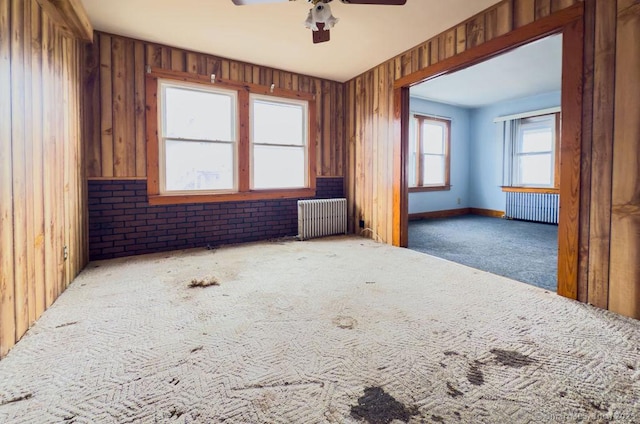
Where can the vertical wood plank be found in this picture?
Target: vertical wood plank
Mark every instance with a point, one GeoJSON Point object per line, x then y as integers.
{"type": "Point", "coordinates": [325, 144]}
{"type": "Point", "coordinates": [92, 139]}
{"type": "Point", "coordinates": [561, 4]}
{"type": "Point", "coordinates": [523, 12]}
{"type": "Point", "coordinates": [624, 281]}
{"type": "Point", "coordinates": [586, 162]}
{"type": "Point", "coordinates": [490, 24]}
{"type": "Point", "coordinates": [543, 8]}
{"type": "Point", "coordinates": [48, 99]}
{"type": "Point", "coordinates": [139, 100]}
{"type": "Point", "coordinates": [449, 44]}
{"type": "Point", "coordinates": [123, 108]}
{"type": "Point", "coordinates": [18, 140]}
{"type": "Point", "coordinates": [602, 153]}
{"type": "Point", "coordinates": [106, 109]}
{"type": "Point", "coordinates": [475, 32]}
{"type": "Point", "coordinates": [568, 243]}
{"type": "Point", "coordinates": [7, 304]}
{"type": "Point", "coordinates": [504, 18]}
{"type": "Point", "coordinates": [461, 38]}
{"type": "Point", "coordinates": [29, 169]}
{"type": "Point", "coordinates": [37, 159]}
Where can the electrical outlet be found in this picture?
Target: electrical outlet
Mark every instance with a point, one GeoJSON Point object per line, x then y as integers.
{"type": "Point", "coordinates": [65, 253]}
{"type": "Point", "coordinates": [362, 223]}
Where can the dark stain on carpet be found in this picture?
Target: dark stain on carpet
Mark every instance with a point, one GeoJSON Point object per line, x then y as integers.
{"type": "Point", "coordinates": [511, 358]}
{"type": "Point", "coordinates": [437, 419]}
{"type": "Point", "coordinates": [452, 391]}
{"type": "Point", "coordinates": [475, 375]}
{"type": "Point", "coordinates": [378, 407]}
{"type": "Point", "coordinates": [450, 353]}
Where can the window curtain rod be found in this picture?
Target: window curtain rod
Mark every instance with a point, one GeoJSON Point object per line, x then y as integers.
{"type": "Point", "coordinates": [430, 115]}
{"type": "Point", "coordinates": [528, 114]}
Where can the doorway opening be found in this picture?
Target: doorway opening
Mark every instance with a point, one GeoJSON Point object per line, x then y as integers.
{"type": "Point", "coordinates": [483, 176]}
{"type": "Point", "coordinates": [571, 25]}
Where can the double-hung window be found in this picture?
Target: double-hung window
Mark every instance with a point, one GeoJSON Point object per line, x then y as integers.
{"type": "Point", "coordinates": [534, 152]}
{"type": "Point", "coordinates": [430, 160]}
{"type": "Point", "coordinates": [223, 141]}
{"type": "Point", "coordinates": [198, 139]}
{"type": "Point", "coordinates": [531, 157]}
{"type": "Point", "coordinates": [278, 142]}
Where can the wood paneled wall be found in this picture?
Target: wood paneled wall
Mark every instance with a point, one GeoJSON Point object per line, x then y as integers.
{"type": "Point", "coordinates": [42, 183]}
{"type": "Point", "coordinates": [370, 109]}
{"type": "Point", "coordinates": [610, 236]}
{"type": "Point", "coordinates": [115, 94]}
{"type": "Point", "coordinates": [609, 229]}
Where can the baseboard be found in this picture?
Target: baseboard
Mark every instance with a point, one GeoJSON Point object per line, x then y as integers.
{"type": "Point", "coordinates": [486, 212]}
{"type": "Point", "coordinates": [439, 214]}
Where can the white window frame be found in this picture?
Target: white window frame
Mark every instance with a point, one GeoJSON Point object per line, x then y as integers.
{"type": "Point", "coordinates": [305, 134]}
{"type": "Point", "coordinates": [162, 138]}
{"type": "Point", "coordinates": [532, 123]}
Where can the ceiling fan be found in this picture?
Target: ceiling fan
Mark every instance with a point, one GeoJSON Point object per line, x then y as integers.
{"type": "Point", "coordinates": [320, 19]}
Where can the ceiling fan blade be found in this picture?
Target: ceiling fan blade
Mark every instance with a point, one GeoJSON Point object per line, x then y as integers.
{"type": "Point", "coordinates": [380, 2]}
{"type": "Point", "coordinates": [322, 35]}
{"type": "Point", "coordinates": [248, 2]}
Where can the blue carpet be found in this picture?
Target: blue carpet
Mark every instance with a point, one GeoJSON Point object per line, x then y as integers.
{"type": "Point", "coordinates": [523, 251]}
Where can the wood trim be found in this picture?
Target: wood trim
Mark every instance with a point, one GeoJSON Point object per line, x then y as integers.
{"type": "Point", "coordinates": [400, 195]}
{"type": "Point", "coordinates": [439, 214]}
{"type": "Point", "coordinates": [587, 141]}
{"type": "Point", "coordinates": [487, 212]}
{"type": "Point", "coordinates": [243, 149]}
{"type": "Point", "coordinates": [70, 16]}
{"type": "Point", "coordinates": [116, 178]}
{"type": "Point", "coordinates": [429, 188]}
{"type": "Point", "coordinates": [548, 190]}
{"type": "Point", "coordinates": [231, 197]}
{"type": "Point", "coordinates": [516, 38]}
{"type": "Point", "coordinates": [153, 155]}
{"type": "Point", "coordinates": [244, 145]}
{"type": "Point", "coordinates": [232, 85]}
{"type": "Point", "coordinates": [568, 228]}
{"type": "Point", "coordinates": [568, 21]}
{"type": "Point", "coordinates": [556, 159]}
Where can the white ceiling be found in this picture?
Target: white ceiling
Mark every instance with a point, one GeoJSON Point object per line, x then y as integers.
{"type": "Point", "coordinates": [531, 69]}
{"type": "Point", "coordinates": [274, 35]}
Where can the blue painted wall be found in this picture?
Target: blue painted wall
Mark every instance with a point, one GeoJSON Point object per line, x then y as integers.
{"type": "Point", "coordinates": [459, 177]}
{"type": "Point", "coordinates": [486, 150]}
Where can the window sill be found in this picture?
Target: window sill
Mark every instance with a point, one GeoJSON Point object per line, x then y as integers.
{"type": "Point", "coordinates": [544, 190]}
{"type": "Point", "coordinates": [429, 188]}
{"type": "Point", "coordinates": [173, 199]}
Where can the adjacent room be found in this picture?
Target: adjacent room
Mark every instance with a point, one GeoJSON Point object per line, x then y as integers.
{"type": "Point", "coordinates": [205, 211]}
{"type": "Point", "coordinates": [488, 142]}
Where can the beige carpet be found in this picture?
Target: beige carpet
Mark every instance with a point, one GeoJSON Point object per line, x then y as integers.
{"type": "Point", "coordinates": [339, 330]}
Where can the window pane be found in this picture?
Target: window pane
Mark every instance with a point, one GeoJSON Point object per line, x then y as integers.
{"type": "Point", "coordinates": [433, 138]}
{"type": "Point", "coordinates": [198, 115]}
{"type": "Point", "coordinates": [412, 169]}
{"type": "Point", "coordinates": [536, 170]}
{"type": "Point", "coordinates": [433, 170]}
{"type": "Point", "coordinates": [278, 123]}
{"type": "Point", "coordinates": [278, 167]}
{"type": "Point", "coordinates": [538, 140]}
{"type": "Point", "coordinates": [198, 165]}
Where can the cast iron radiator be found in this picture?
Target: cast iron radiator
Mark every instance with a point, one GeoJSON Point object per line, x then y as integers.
{"type": "Point", "coordinates": [321, 217]}
{"type": "Point", "coordinates": [538, 207]}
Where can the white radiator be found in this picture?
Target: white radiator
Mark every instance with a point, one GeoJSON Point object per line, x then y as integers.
{"type": "Point", "coordinates": [321, 217]}
{"type": "Point", "coordinates": [539, 207]}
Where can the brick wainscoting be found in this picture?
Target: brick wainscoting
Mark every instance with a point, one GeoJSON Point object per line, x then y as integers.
{"type": "Point", "coordinates": [122, 223]}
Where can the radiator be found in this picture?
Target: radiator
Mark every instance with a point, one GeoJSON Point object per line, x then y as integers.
{"type": "Point", "coordinates": [321, 217]}
{"type": "Point", "coordinates": [538, 207]}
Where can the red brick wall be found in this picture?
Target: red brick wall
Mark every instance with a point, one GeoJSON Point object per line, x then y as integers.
{"type": "Point", "coordinates": [122, 223]}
